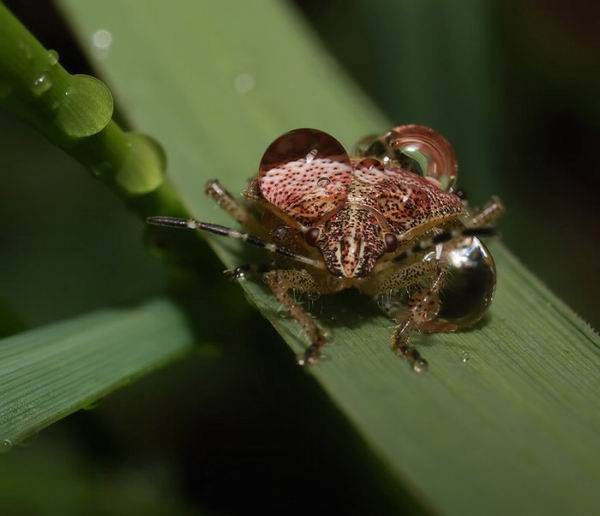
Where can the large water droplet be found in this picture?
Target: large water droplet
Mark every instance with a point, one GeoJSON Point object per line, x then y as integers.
{"type": "Point", "coordinates": [41, 84]}
{"type": "Point", "coordinates": [143, 169]}
{"type": "Point", "coordinates": [86, 107]}
{"type": "Point", "coordinates": [52, 57]}
{"type": "Point", "coordinates": [303, 144]}
{"type": "Point", "coordinates": [429, 150]}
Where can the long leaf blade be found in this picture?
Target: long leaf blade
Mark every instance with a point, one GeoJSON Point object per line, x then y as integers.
{"type": "Point", "coordinates": [50, 372]}
{"type": "Point", "coordinates": [507, 419]}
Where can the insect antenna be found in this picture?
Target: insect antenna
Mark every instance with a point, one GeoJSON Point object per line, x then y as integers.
{"type": "Point", "coordinates": [429, 243]}
{"type": "Point", "coordinates": [176, 222]}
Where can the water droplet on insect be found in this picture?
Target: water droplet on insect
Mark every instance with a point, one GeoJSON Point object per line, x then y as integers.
{"type": "Point", "coordinates": [424, 151]}
{"type": "Point", "coordinates": [6, 444]}
{"type": "Point", "coordinates": [52, 57]}
{"type": "Point", "coordinates": [244, 83]}
{"type": "Point", "coordinates": [143, 168]}
{"type": "Point", "coordinates": [420, 366]}
{"type": "Point", "coordinates": [85, 108]}
{"type": "Point", "coordinates": [41, 84]}
{"type": "Point", "coordinates": [303, 144]}
{"type": "Point", "coordinates": [324, 181]}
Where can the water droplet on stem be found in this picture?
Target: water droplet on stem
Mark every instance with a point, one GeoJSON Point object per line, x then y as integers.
{"type": "Point", "coordinates": [41, 84]}
{"type": "Point", "coordinates": [143, 168]}
{"type": "Point", "coordinates": [85, 108]}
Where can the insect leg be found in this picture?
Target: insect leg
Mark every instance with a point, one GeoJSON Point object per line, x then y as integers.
{"type": "Point", "coordinates": [176, 222]}
{"type": "Point", "coordinates": [491, 211]}
{"type": "Point", "coordinates": [226, 201]}
{"type": "Point", "coordinates": [241, 271]}
{"type": "Point", "coordinates": [423, 307]}
{"type": "Point", "coordinates": [280, 282]}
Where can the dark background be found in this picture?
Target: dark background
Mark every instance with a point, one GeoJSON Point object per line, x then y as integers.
{"type": "Point", "coordinates": [514, 85]}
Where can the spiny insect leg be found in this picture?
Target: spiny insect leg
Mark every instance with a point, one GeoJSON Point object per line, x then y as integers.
{"type": "Point", "coordinates": [226, 201]}
{"type": "Point", "coordinates": [424, 307]}
{"type": "Point", "coordinates": [280, 282]}
{"type": "Point", "coordinates": [176, 222]}
{"type": "Point", "coordinates": [491, 211]}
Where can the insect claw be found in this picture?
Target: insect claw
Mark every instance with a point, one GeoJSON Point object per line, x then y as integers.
{"type": "Point", "coordinates": [237, 273]}
{"type": "Point", "coordinates": [311, 356]}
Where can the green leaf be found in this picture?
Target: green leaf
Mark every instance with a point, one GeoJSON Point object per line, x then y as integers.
{"type": "Point", "coordinates": [507, 419]}
{"type": "Point", "coordinates": [50, 372]}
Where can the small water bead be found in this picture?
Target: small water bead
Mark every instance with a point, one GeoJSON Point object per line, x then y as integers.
{"type": "Point", "coordinates": [143, 169]}
{"type": "Point", "coordinates": [244, 83]}
{"type": "Point", "coordinates": [52, 57]}
{"type": "Point", "coordinates": [85, 108]}
{"type": "Point", "coordinates": [6, 444]}
{"type": "Point", "coordinates": [420, 366]}
{"type": "Point", "coordinates": [465, 357]}
{"type": "Point", "coordinates": [102, 39]}
{"type": "Point", "coordinates": [41, 84]}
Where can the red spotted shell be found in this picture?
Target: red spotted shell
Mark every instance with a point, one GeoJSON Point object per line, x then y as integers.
{"type": "Point", "coordinates": [354, 203]}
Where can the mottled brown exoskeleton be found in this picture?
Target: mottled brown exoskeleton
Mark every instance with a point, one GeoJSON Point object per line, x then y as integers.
{"type": "Point", "coordinates": [387, 222]}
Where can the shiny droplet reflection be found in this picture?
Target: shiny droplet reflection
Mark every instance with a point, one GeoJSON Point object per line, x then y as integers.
{"type": "Point", "coordinates": [52, 57]}
{"type": "Point", "coordinates": [41, 84]}
{"type": "Point", "coordinates": [143, 168]}
{"type": "Point", "coordinates": [303, 144]}
{"type": "Point", "coordinates": [416, 148]}
{"type": "Point", "coordinates": [469, 288]}
{"type": "Point", "coordinates": [85, 108]}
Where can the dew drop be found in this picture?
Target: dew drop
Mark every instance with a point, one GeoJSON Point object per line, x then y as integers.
{"type": "Point", "coordinates": [102, 39]}
{"type": "Point", "coordinates": [52, 57]}
{"type": "Point", "coordinates": [41, 84]}
{"type": "Point", "coordinates": [420, 366]}
{"type": "Point", "coordinates": [465, 357]}
{"type": "Point", "coordinates": [244, 83]}
{"type": "Point", "coordinates": [6, 444]}
{"type": "Point", "coordinates": [85, 108]}
{"type": "Point", "coordinates": [143, 168]}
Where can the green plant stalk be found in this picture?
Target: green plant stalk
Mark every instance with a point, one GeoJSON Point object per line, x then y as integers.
{"type": "Point", "coordinates": [74, 112]}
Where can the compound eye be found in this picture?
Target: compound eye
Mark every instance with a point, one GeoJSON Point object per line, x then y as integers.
{"type": "Point", "coordinates": [312, 235]}
{"type": "Point", "coordinates": [391, 242]}
{"type": "Point", "coordinates": [304, 145]}
{"type": "Point", "coordinates": [422, 150]}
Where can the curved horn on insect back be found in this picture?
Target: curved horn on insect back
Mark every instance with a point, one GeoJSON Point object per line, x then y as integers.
{"type": "Point", "coordinates": [176, 222]}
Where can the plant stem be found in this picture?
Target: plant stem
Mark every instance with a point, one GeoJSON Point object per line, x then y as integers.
{"type": "Point", "coordinates": [74, 112]}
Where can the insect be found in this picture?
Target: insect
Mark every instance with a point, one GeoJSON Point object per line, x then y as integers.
{"type": "Point", "coordinates": [387, 221]}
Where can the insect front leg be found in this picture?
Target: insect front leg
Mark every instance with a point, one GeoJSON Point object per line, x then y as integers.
{"type": "Point", "coordinates": [423, 307]}
{"type": "Point", "coordinates": [227, 202]}
{"type": "Point", "coordinates": [281, 282]}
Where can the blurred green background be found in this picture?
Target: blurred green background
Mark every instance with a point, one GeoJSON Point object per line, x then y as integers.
{"type": "Point", "coordinates": [514, 87]}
